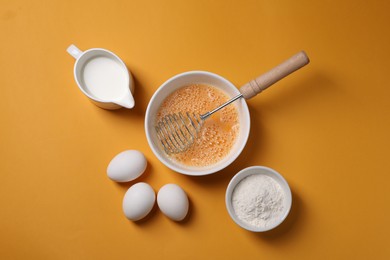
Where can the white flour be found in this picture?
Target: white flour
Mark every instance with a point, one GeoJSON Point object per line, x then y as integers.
{"type": "Point", "coordinates": [258, 200]}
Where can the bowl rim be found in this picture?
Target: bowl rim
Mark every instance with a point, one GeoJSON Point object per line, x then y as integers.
{"type": "Point", "coordinates": [257, 170]}
{"type": "Point", "coordinates": [189, 171]}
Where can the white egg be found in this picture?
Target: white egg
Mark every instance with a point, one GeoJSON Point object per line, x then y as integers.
{"type": "Point", "coordinates": [173, 202]}
{"type": "Point", "coordinates": [126, 166]}
{"type": "Point", "coordinates": [138, 201]}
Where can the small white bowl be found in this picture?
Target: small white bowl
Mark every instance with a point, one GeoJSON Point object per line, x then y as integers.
{"type": "Point", "coordinates": [264, 171]}
{"type": "Point", "coordinates": [181, 80]}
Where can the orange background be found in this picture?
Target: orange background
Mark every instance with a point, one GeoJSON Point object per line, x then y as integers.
{"type": "Point", "coordinates": [325, 128]}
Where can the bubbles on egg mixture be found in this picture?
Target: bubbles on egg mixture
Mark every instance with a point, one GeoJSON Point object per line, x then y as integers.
{"type": "Point", "coordinates": [219, 132]}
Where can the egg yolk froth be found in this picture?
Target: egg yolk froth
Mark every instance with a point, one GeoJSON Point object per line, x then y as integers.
{"type": "Point", "coordinates": [218, 133]}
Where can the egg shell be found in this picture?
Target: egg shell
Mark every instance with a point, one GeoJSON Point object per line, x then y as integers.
{"type": "Point", "coordinates": [138, 201]}
{"type": "Point", "coordinates": [126, 166]}
{"type": "Point", "coordinates": [173, 201]}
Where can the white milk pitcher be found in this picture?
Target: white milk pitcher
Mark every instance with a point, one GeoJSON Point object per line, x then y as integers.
{"type": "Point", "coordinates": [103, 77]}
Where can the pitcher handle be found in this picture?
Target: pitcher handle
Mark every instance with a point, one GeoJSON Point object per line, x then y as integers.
{"type": "Point", "coordinates": [74, 51]}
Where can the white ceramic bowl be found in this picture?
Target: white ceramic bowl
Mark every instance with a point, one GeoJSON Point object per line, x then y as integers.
{"type": "Point", "coordinates": [265, 171]}
{"type": "Point", "coordinates": [181, 80]}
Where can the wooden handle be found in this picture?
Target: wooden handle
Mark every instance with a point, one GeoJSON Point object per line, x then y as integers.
{"type": "Point", "coordinates": [254, 87]}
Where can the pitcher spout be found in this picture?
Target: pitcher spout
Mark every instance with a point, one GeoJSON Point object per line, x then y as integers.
{"type": "Point", "coordinates": [127, 102]}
